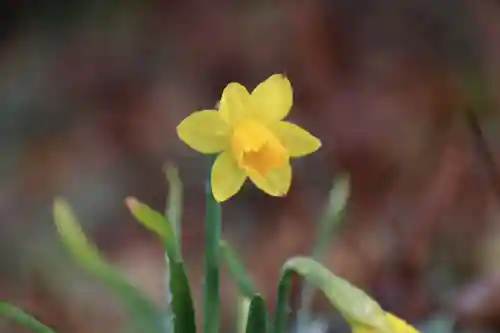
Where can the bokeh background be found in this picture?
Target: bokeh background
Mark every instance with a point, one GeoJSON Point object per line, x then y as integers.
{"type": "Point", "coordinates": [403, 95]}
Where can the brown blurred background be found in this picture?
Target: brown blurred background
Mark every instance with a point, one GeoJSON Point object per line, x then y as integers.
{"type": "Point", "coordinates": [403, 95]}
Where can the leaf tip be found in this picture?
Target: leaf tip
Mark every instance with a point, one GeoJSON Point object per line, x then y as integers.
{"type": "Point", "coordinates": [61, 210]}
{"type": "Point", "coordinates": [170, 169]}
{"type": "Point", "coordinates": [59, 203]}
{"type": "Point", "coordinates": [131, 203]}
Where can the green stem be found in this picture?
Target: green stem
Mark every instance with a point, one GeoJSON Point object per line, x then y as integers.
{"type": "Point", "coordinates": [211, 299]}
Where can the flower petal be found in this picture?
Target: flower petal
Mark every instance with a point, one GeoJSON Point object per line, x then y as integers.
{"type": "Point", "coordinates": [360, 328]}
{"type": "Point", "coordinates": [227, 178]}
{"type": "Point", "coordinates": [277, 181]}
{"type": "Point", "coordinates": [234, 104]}
{"type": "Point", "coordinates": [272, 99]}
{"type": "Point", "coordinates": [398, 325]}
{"type": "Point", "coordinates": [295, 139]}
{"type": "Point", "coordinates": [204, 131]}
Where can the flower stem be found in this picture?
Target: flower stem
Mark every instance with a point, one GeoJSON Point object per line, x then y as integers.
{"type": "Point", "coordinates": [211, 299]}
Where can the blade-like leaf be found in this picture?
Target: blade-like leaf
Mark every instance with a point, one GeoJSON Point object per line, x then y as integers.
{"type": "Point", "coordinates": [257, 316]}
{"type": "Point", "coordinates": [145, 314]}
{"type": "Point", "coordinates": [333, 214]}
{"type": "Point", "coordinates": [237, 270]}
{"type": "Point", "coordinates": [242, 315]}
{"type": "Point", "coordinates": [328, 224]}
{"type": "Point", "coordinates": [155, 222]}
{"type": "Point", "coordinates": [352, 303]}
{"type": "Point", "coordinates": [174, 202]}
{"type": "Point", "coordinates": [19, 316]}
{"type": "Point", "coordinates": [182, 303]}
{"type": "Point", "coordinates": [211, 295]}
{"type": "Point", "coordinates": [173, 213]}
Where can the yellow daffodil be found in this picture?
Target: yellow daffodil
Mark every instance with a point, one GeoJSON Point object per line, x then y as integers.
{"type": "Point", "coordinates": [398, 325]}
{"type": "Point", "coordinates": [394, 323]}
{"type": "Point", "coordinates": [250, 136]}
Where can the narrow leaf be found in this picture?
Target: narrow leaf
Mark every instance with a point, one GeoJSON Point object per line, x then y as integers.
{"type": "Point", "coordinates": [257, 316]}
{"type": "Point", "coordinates": [155, 222]}
{"type": "Point", "coordinates": [174, 201]}
{"type": "Point", "coordinates": [242, 315]}
{"type": "Point", "coordinates": [352, 303]}
{"type": "Point", "coordinates": [146, 316]}
{"type": "Point", "coordinates": [211, 296]}
{"type": "Point", "coordinates": [327, 226]}
{"type": "Point", "coordinates": [182, 303]}
{"type": "Point", "coordinates": [237, 270]}
{"type": "Point", "coordinates": [333, 214]}
{"type": "Point", "coordinates": [22, 318]}
{"type": "Point", "coordinates": [173, 212]}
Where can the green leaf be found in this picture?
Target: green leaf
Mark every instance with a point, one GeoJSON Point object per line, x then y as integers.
{"type": "Point", "coordinates": [182, 303]}
{"type": "Point", "coordinates": [174, 201]}
{"type": "Point", "coordinates": [257, 316]}
{"type": "Point", "coordinates": [242, 315]}
{"type": "Point", "coordinates": [237, 270]}
{"type": "Point", "coordinates": [173, 213]}
{"type": "Point", "coordinates": [352, 303]}
{"type": "Point", "coordinates": [19, 316]}
{"type": "Point", "coordinates": [327, 226]}
{"type": "Point", "coordinates": [211, 296]}
{"type": "Point", "coordinates": [146, 316]}
{"type": "Point", "coordinates": [155, 222]}
{"type": "Point", "coordinates": [333, 215]}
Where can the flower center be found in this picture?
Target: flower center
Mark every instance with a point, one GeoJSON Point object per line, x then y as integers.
{"type": "Point", "coordinates": [256, 148]}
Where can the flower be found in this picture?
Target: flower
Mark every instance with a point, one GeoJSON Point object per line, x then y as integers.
{"type": "Point", "coordinates": [394, 323]}
{"type": "Point", "coordinates": [250, 136]}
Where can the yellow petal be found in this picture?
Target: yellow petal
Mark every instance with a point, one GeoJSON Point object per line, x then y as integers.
{"type": "Point", "coordinates": [394, 325]}
{"type": "Point", "coordinates": [358, 328]}
{"type": "Point", "coordinates": [295, 139]}
{"type": "Point", "coordinates": [272, 99]}
{"type": "Point", "coordinates": [235, 103]}
{"type": "Point", "coordinates": [204, 131]}
{"type": "Point", "coordinates": [398, 325]}
{"type": "Point", "coordinates": [277, 181]}
{"type": "Point", "coordinates": [227, 178]}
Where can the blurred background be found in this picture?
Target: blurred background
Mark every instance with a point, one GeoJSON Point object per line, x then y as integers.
{"type": "Point", "coordinates": [403, 95]}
